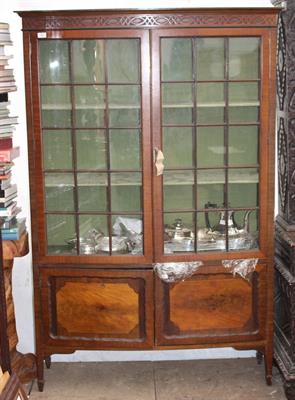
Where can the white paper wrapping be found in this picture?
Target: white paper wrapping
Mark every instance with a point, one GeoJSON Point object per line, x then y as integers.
{"type": "Point", "coordinates": [241, 267]}
{"type": "Point", "coordinates": [176, 271]}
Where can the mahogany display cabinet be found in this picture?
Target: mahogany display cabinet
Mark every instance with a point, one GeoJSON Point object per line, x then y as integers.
{"type": "Point", "coordinates": [151, 141]}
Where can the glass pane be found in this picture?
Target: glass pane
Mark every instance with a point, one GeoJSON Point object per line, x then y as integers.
{"type": "Point", "coordinates": [59, 189]}
{"type": "Point", "coordinates": [124, 149]}
{"type": "Point", "coordinates": [176, 59]}
{"type": "Point", "coordinates": [123, 60]}
{"type": "Point", "coordinates": [88, 61]}
{"type": "Point", "coordinates": [247, 225]}
{"type": "Point", "coordinates": [210, 58]}
{"type": "Point", "coordinates": [207, 223]}
{"type": "Point", "coordinates": [178, 232]}
{"type": "Point", "coordinates": [210, 95]}
{"type": "Point", "coordinates": [124, 97]}
{"type": "Point", "coordinates": [243, 114]}
{"type": "Point", "coordinates": [243, 195]}
{"type": "Point", "coordinates": [211, 176]}
{"type": "Point", "coordinates": [177, 116]}
{"type": "Point", "coordinates": [177, 147]}
{"type": "Point", "coordinates": [60, 230]}
{"type": "Point", "coordinates": [210, 115]}
{"type": "Point", "coordinates": [126, 191]}
{"type": "Point", "coordinates": [210, 147]}
{"type": "Point", "coordinates": [178, 190]}
{"type": "Point", "coordinates": [243, 145]}
{"type": "Point", "coordinates": [213, 194]}
{"type": "Point", "coordinates": [93, 228]}
{"type": "Point", "coordinates": [57, 149]}
{"type": "Point", "coordinates": [127, 234]}
{"type": "Point", "coordinates": [54, 61]}
{"type": "Point", "coordinates": [177, 95]}
{"type": "Point", "coordinates": [124, 118]}
{"type": "Point", "coordinates": [56, 107]}
{"type": "Point", "coordinates": [92, 191]}
{"type": "Point", "coordinates": [243, 94]}
{"type": "Point", "coordinates": [91, 149]}
{"type": "Point", "coordinates": [90, 106]}
{"type": "Point", "coordinates": [245, 175]}
{"type": "Point", "coordinates": [244, 58]}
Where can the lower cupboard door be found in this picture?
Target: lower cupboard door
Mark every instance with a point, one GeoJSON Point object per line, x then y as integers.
{"type": "Point", "coordinates": [94, 309]}
{"type": "Point", "coordinates": [211, 307]}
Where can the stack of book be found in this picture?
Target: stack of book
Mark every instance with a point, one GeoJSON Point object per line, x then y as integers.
{"type": "Point", "coordinates": [11, 227]}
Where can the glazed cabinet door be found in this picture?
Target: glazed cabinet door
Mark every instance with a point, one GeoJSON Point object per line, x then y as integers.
{"type": "Point", "coordinates": [91, 144]}
{"type": "Point", "coordinates": [96, 309]}
{"type": "Point", "coordinates": [211, 119]}
{"type": "Point", "coordinates": [212, 307]}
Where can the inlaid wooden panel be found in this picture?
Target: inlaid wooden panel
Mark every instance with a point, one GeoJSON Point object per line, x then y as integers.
{"type": "Point", "coordinates": [97, 308]}
{"type": "Point", "coordinates": [217, 306]}
{"type": "Point", "coordinates": [200, 304]}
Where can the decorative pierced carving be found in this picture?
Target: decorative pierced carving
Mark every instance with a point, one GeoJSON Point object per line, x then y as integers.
{"type": "Point", "coordinates": [282, 164]}
{"type": "Point", "coordinates": [94, 20]}
{"type": "Point", "coordinates": [281, 64]}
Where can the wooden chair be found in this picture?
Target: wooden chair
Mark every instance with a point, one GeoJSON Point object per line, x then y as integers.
{"type": "Point", "coordinates": [10, 387]}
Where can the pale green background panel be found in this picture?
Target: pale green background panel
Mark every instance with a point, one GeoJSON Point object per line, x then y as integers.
{"type": "Point", "coordinates": [243, 145]}
{"type": "Point", "coordinates": [244, 58]}
{"type": "Point", "coordinates": [123, 96]}
{"type": "Point", "coordinates": [177, 94]}
{"type": "Point", "coordinates": [178, 190]}
{"type": "Point", "coordinates": [210, 193]}
{"type": "Point", "coordinates": [54, 61]}
{"type": "Point", "coordinates": [88, 61]}
{"type": "Point", "coordinates": [125, 151]}
{"type": "Point", "coordinates": [60, 228]}
{"type": "Point", "coordinates": [92, 191]}
{"type": "Point", "coordinates": [209, 58]}
{"type": "Point", "coordinates": [57, 149]}
{"type": "Point", "coordinates": [178, 147]}
{"type": "Point", "coordinates": [59, 189]}
{"type": "Point", "coordinates": [123, 60]}
{"type": "Point", "coordinates": [56, 107]}
{"type": "Point", "coordinates": [177, 116]}
{"type": "Point", "coordinates": [173, 53]}
{"type": "Point", "coordinates": [91, 149]}
{"type": "Point", "coordinates": [126, 192]}
{"type": "Point", "coordinates": [210, 146]}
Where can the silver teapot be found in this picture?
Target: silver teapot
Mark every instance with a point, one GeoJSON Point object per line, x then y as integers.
{"type": "Point", "coordinates": [227, 223]}
{"type": "Point", "coordinates": [178, 231]}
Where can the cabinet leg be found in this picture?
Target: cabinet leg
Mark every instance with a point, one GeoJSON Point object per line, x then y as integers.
{"type": "Point", "coordinates": [259, 357]}
{"type": "Point", "coordinates": [48, 362]}
{"type": "Point", "coordinates": [40, 373]}
{"type": "Point", "coordinates": [268, 367]}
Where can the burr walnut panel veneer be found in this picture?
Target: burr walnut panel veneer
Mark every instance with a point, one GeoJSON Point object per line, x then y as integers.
{"type": "Point", "coordinates": [108, 94]}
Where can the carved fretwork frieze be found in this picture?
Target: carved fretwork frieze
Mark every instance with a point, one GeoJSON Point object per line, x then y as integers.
{"type": "Point", "coordinates": [145, 20]}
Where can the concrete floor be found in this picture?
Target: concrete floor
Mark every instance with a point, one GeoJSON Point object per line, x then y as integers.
{"type": "Point", "coordinates": [230, 379]}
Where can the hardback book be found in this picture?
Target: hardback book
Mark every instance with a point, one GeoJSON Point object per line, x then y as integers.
{"type": "Point", "coordinates": [5, 176]}
{"type": "Point", "coordinates": [5, 183]}
{"type": "Point", "coordinates": [9, 120]}
{"type": "Point", "coordinates": [5, 202]}
{"type": "Point", "coordinates": [8, 192]}
{"type": "Point", "coordinates": [6, 130]}
{"type": "Point", "coordinates": [15, 231]}
{"type": "Point", "coordinates": [9, 211]}
{"type": "Point", "coordinates": [9, 155]}
{"type": "Point", "coordinates": [6, 143]}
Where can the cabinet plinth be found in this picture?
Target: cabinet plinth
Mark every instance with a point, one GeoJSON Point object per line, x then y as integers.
{"type": "Point", "coordinates": [109, 94]}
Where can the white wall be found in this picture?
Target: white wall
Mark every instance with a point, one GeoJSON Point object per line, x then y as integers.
{"type": "Point", "coordinates": [22, 273]}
